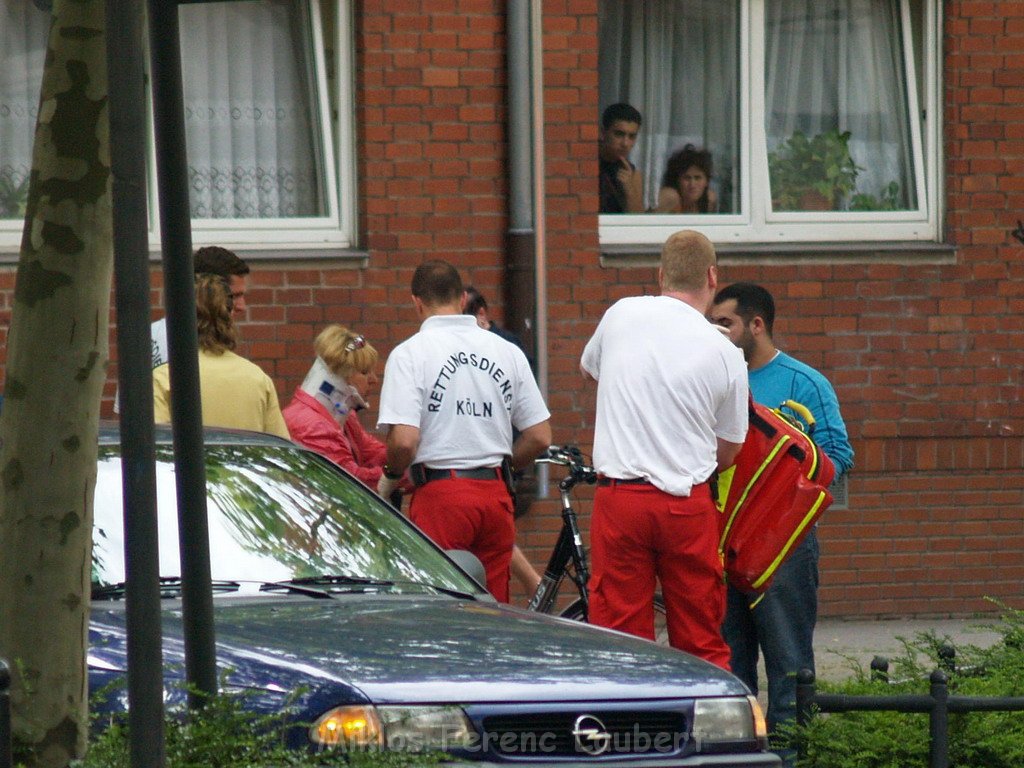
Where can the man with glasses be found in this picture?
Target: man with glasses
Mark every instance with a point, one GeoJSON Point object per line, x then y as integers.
{"type": "Point", "coordinates": [209, 260]}
{"type": "Point", "coordinates": [671, 408]}
{"type": "Point", "coordinates": [451, 396]}
{"type": "Point", "coordinates": [212, 260]}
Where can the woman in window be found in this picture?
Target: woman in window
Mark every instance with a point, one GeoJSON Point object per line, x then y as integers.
{"type": "Point", "coordinates": [235, 392]}
{"type": "Point", "coordinates": [686, 184]}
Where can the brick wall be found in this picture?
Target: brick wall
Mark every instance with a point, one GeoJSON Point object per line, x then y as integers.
{"type": "Point", "coordinates": [926, 358]}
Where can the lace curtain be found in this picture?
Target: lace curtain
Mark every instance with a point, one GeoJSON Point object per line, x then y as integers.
{"type": "Point", "coordinates": [250, 110]}
{"type": "Point", "coordinates": [23, 33]}
{"type": "Point", "coordinates": [677, 61]}
{"type": "Point", "coordinates": [830, 64]}
{"type": "Point", "coordinates": [838, 64]}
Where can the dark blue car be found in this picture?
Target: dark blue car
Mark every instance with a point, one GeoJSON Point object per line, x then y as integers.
{"type": "Point", "coordinates": [331, 604]}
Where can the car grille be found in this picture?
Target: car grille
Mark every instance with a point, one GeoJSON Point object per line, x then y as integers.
{"type": "Point", "coordinates": [552, 734]}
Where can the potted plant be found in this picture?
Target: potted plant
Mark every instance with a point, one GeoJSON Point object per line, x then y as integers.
{"type": "Point", "coordinates": [809, 174]}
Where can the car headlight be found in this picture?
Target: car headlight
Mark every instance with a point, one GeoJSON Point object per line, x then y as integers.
{"type": "Point", "coordinates": [732, 719]}
{"type": "Point", "coordinates": [400, 729]}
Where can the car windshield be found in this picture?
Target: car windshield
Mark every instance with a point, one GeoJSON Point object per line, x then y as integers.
{"type": "Point", "coordinates": [277, 513]}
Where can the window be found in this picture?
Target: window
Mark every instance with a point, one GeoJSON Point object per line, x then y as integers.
{"type": "Point", "coordinates": [265, 156]}
{"type": "Point", "coordinates": [820, 117]}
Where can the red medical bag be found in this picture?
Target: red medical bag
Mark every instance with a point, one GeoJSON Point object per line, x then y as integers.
{"type": "Point", "coordinates": [772, 496]}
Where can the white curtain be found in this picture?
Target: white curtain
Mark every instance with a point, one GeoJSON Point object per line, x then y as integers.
{"type": "Point", "coordinates": [677, 61]}
{"type": "Point", "coordinates": [23, 32]}
{"type": "Point", "coordinates": [252, 127]}
{"type": "Point", "coordinates": [838, 64]}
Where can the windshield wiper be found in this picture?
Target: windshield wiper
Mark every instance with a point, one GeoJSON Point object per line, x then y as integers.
{"type": "Point", "coordinates": [170, 586]}
{"type": "Point", "coordinates": [438, 588]}
{"type": "Point", "coordinates": [316, 584]}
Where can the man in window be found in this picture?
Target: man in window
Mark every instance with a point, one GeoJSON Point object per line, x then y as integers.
{"type": "Point", "coordinates": [621, 182]}
{"type": "Point", "coordinates": [781, 624]}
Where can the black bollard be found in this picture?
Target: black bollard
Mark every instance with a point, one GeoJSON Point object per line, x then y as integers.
{"type": "Point", "coordinates": [938, 722]}
{"type": "Point", "coordinates": [6, 749]}
{"type": "Point", "coordinates": [880, 669]}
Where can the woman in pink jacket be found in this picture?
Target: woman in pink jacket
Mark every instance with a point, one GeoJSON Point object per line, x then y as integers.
{"type": "Point", "coordinates": [323, 412]}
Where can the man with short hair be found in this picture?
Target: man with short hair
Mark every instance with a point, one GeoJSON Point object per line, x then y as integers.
{"type": "Point", "coordinates": [621, 182]}
{"type": "Point", "coordinates": [214, 260]}
{"type": "Point", "coordinates": [781, 623]}
{"type": "Point", "coordinates": [451, 395]}
{"type": "Point", "coordinates": [671, 409]}
{"type": "Point", "coordinates": [211, 260]}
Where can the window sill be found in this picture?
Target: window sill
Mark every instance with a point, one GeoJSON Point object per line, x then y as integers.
{"type": "Point", "coordinates": [282, 257]}
{"type": "Point", "coordinates": [648, 255]}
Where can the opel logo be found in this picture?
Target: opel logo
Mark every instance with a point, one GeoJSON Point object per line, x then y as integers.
{"type": "Point", "coordinates": [591, 735]}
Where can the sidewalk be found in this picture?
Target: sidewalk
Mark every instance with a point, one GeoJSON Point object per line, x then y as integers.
{"type": "Point", "coordinates": [835, 639]}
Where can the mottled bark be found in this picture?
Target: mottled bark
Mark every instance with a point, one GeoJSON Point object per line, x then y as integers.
{"type": "Point", "coordinates": [56, 359]}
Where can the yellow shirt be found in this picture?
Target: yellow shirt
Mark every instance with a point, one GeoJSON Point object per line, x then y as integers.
{"type": "Point", "coordinates": [235, 392]}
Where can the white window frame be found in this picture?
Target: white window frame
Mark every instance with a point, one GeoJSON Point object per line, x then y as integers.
{"type": "Point", "coordinates": [336, 230]}
{"type": "Point", "coordinates": [757, 223]}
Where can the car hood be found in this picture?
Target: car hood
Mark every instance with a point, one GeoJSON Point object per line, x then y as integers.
{"type": "Point", "coordinates": [410, 649]}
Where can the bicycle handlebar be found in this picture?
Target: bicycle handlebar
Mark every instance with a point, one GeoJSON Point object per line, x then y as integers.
{"type": "Point", "coordinates": [569, 456]}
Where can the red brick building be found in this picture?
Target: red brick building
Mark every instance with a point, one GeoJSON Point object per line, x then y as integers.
{"type": "Point", "coordinates": [910, 300]}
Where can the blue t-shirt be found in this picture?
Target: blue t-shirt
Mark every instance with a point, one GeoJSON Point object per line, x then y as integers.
{"type": "Point", "coordinates": [786, 378]}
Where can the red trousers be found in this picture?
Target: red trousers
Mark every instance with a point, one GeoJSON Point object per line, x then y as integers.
{"type": "Point", "coordinates": [638, 534]}
{"type": "Point", "coordinates": [475, 515]}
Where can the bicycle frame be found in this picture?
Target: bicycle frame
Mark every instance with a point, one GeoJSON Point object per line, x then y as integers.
{"type": "Point", "coordinates": [568, 549]}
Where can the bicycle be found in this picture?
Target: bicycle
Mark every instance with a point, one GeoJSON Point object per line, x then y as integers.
{"type": "Point", "coordinates": [569, 557]}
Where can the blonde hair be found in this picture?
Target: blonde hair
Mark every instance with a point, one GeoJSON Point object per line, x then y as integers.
{"type": "Point", "coordinates": [213, 314]}
{"type": "Point", "coordinates": [344, 351]}
{"type": "Point", "coordinates": [685, 259]}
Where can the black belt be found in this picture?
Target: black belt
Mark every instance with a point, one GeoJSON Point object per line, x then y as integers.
{"type": "Point", "coordinates": [606, 481]}
{"type": "Point", "coordinates": [427, 474]}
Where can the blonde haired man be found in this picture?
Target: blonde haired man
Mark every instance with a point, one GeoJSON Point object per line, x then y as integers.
{"type": "Point", "coordinates": [671, 408]}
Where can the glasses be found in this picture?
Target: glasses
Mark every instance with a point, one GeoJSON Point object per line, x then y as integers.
{"type": "Point", "coordinates": [358, 342]}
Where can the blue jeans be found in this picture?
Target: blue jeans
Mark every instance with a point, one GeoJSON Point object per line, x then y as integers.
{"type": "Point", "coordinates": [781, 626]}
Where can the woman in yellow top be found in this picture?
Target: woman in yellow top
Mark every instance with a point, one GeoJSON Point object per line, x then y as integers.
{"type": "Point", "coordinates": [235, 392]}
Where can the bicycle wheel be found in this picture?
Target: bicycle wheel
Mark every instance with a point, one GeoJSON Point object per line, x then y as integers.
{"type": "Point", "coordinates": [575, 612]}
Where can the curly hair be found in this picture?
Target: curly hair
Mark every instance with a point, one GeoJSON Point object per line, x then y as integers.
{"type": "Point", "coordinates": [344, 351]}
{"type": "Point", "coordinates": [213, 314]}
{"type": "Point", "coordinates": [683, 159]}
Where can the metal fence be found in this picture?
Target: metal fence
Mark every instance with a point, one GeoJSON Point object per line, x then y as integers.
{"type": "Point", "coordinates": [937, 703]}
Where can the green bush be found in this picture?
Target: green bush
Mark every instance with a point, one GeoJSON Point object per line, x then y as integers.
{"type": "Point", "coordinates": [900, 740]}
{"type": "Point", "coordinates": [225, 735]}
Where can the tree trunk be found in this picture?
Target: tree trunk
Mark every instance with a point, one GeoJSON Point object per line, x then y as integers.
{"type": "Point", "coordinates": [56, 361]}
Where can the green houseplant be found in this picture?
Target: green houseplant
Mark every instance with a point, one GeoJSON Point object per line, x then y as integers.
{"type": "Point", "coordinates": [812, 173]}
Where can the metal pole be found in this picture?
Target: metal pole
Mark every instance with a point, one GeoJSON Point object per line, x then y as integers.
{"type": "Point", "coordinates": [539, 209]}
{"type": "Point", "coordinates": [128, 148]}
{"type": "Point", "coordinates": [938, 721]}
{"type": "Point", "coordinates": [6, 750]}
{"type": "Point", "coordinates": [804, 699]}
{"type": "Point", "coordinates": [182, 342]}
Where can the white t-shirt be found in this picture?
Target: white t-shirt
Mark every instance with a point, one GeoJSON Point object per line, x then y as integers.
{"type": "Point", "coordinates": [464, 388]}
{"type": "Point", "coordinates": [158, 334]}
{"type": "Point", "coordinates": [669, 384]}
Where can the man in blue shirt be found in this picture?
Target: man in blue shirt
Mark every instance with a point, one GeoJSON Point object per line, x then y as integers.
{"type": "Point", "coordinates": [781, 625]}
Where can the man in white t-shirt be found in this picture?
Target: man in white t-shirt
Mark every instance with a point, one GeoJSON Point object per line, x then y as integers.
{"type": "Point", "coordinates": [671, 408]}
{"type": "Point", "coordinates": [451, 395]}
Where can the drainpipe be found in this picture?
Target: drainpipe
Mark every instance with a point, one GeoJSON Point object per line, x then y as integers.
{"type": "Point", "coordinates": [525, 269]}
{"type": "Point", "coordinates": [524, 247]}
